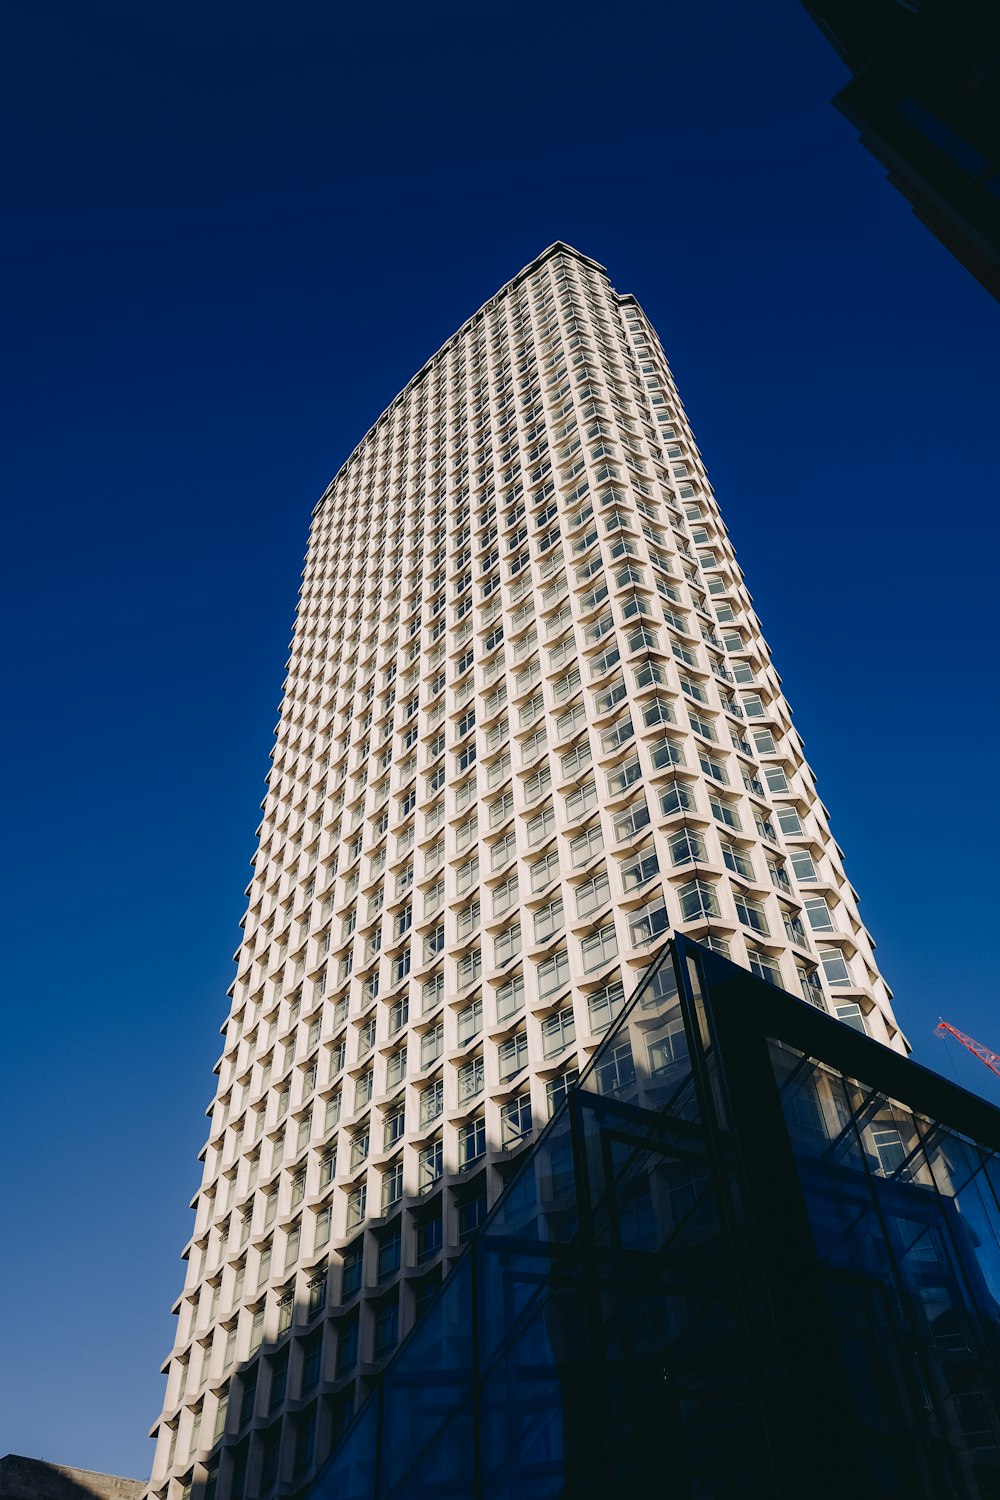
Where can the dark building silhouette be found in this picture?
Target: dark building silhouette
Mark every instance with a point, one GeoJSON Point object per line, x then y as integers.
{"type": "Point", "coordinates": [925, 98]}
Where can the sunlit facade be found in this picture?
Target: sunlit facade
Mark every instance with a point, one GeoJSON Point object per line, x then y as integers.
{"type": "Point", "coordinates": [530, 726]}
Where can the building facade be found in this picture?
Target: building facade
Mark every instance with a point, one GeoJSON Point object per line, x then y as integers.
{"type": "Point", "coordinates": [530, 726]}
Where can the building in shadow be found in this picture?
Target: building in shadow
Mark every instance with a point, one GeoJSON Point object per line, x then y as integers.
{"type": "Point", "coordinates": [925, 98]}
{"type": "Point", "coordinates": [34, 1479]}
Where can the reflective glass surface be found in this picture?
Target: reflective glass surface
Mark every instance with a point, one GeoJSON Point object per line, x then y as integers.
{"type": "Point", "coordinates": [745, 1257]}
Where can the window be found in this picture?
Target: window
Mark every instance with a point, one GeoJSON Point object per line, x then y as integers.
{"type": "Point", "coordinates": [432, 1102]}
{"type": "Point", "coordinates": [737, 860]}
{"type": "Point", "coordinates": [356, 1202]}
{"type": "Point", "coordinates": [429, 1238]}
{"type": "Point", "coordinates": [393, 1126]}
{"type": "Point", "coordinates": [794, 930]}
{"type": "Point", "coordinates": [431, 993]}
{"type": "Point", "coordinates": [619, 734]}
{"type": "Point", "coordinates": [623, 776]}
{"type": "Point", "coordinates": [471, 1143]}
{"type": "Point", "coordinates": [359, 1147]}
{"type": "Point", "coordinates": [658, 710]}
{"type": "Point", "coordinates": [599, 947]}
{"type": "Point", "coordinates": [552, 974]}
{"type": "Point", "coordinates": [500, 809]}
{"type": "Point", "coordinates": [537, 783]}
{"type": "Point", "coordinates": [390, 1248]}
{"type": "Point", "coordinates": [541, 825]}
{"type": "Point", "coordinates": [641, 867]}
{"type": "Point", "coordinates": [431, 1045]}
{"type": "Point", "coordinates": [503, 852]}
{"type": "Point", "coordinates": [507, 945]}
{"type": "Point", "coordinates": [764, 966]}
{"type": "Point", "coordinates": [269, 1456]}
{"type": "Point", "coordinates": [616, 1071]}
{"type": "Point", "coordinates": [470, 966]}
{"type": "Point", "coordinates": [686, 847]}
{"type": "Point", "coordinates": [698, 900]}
{"type": "Point", "coordinates": [471, 1214]}
{"type": "Point", "coordinates": [548, 920]}
{"type": "Point", "coordinates": [430, 1166]}
{"type": "Point", "coordinates": [556, 1089]}
{"type": "Point", "coordinates": [666, 753]}
{"type": "Point", "coordinates": [470, 1021]}
{"type": "Point", "coordinates": [838, 975]}
{"type": "Point", "coordinates": [324, 1223]}
{"type": "Point", "coordinates": [544, 871]}
{"type": "Point", "coordinates": [818, 913]}
{"type": "Point", "coordinates": [788, 820]}
{"type": "Point", "coordinates": [510, 997]}
{"type": "Point", "coordinates": [470, 1079]}
{"type": "Point", "coordinates": [668, 1050]}
{"type": "Point", "coordinates": [505, 895]}
{"type": "Point", "coordinates": [751, 913]}
{"type": "Point", "coordinates": [577, 759]}
{"type": "Point", "coordinates": [727, 813]}
{"type": "Point", "coordinates": [713, 768]}
{"type": "Point", "coordinates": [515, 1122]}
{"type": "Point", "coordinates": [558, 1031]}
{"type": "Point", "coordinates": [809, 984]}
{"type": "Point", "coordinates": [312, 1359]}
{"type": "Point", "coordinates": [803, 866]}
{"type": "Point", "coordinates": [512, 1055]}
{"type": "Point", "coordinates": [316, 1292]}
{"type": "Point", "coordinates": [650, 925]}
{"type": "Point", "coordinates": [353, 1265]}
{"type": "Point", "coordinates": [395, 1067]}
{"type": "Point", "coordinates": [579, 802]}
{"type": "Point", "coordinates": [286, 1307]}
{"type": "Point", "coordinates": [366, 1038]}
{"type": "Point", "coordinates": [852, 1015]}
{"type": "Point", "coordinates": [632, 821]}
{"type": "Point", "coordinates": [347, 1345]}
{"type": "Point", "coordinates": [248, 1395]}
{"type": "Point", "coordinates": [586, 845]}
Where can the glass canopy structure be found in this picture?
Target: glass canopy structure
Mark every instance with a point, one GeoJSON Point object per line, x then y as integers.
{"type": "Point", "coordinates": [753, 1253]}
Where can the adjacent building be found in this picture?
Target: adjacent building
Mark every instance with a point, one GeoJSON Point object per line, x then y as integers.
{"type": "Point", "coordinates": [530, 727]}
{"type": "Point", "coordinates": [34, 1479]}
{"type": "Point", "coordinates": [924, 101]}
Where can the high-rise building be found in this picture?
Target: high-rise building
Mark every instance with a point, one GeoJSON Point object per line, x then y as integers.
{"type": "Point", "coordinates": [530, 726]}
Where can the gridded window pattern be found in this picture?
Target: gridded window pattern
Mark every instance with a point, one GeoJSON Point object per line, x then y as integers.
{"type": "Point", "coordinates": [530, 726]}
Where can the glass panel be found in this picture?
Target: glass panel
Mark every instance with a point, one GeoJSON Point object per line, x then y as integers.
{"type": "Point", "coordinates": [907, 1228]}
{"type": "Point", "coordinates": [430, 1378]}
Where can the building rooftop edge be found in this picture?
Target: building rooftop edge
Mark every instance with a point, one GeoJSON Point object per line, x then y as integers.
{"type": "Point", "coordinates": [49, 1463]}
{"type": "Point", "coordinates": [558, 247]}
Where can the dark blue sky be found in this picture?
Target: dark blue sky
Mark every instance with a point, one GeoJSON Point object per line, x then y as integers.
{"type": "Point", "coordinates": [232, 234]}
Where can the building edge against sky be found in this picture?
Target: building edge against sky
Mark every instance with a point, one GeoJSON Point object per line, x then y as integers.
{"type": "Point", "coordinates": [530, 725]}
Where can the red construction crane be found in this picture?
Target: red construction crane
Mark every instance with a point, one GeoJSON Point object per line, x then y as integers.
{"type": "Point", "coordinates": [991, 1059]}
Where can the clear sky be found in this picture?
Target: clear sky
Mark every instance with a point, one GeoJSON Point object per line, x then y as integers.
{"type": "Point", "coordinates": [232, 234]}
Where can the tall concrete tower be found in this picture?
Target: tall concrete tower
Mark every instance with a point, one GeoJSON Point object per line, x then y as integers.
{"type": "Point", "coordinates": [530, 727]}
